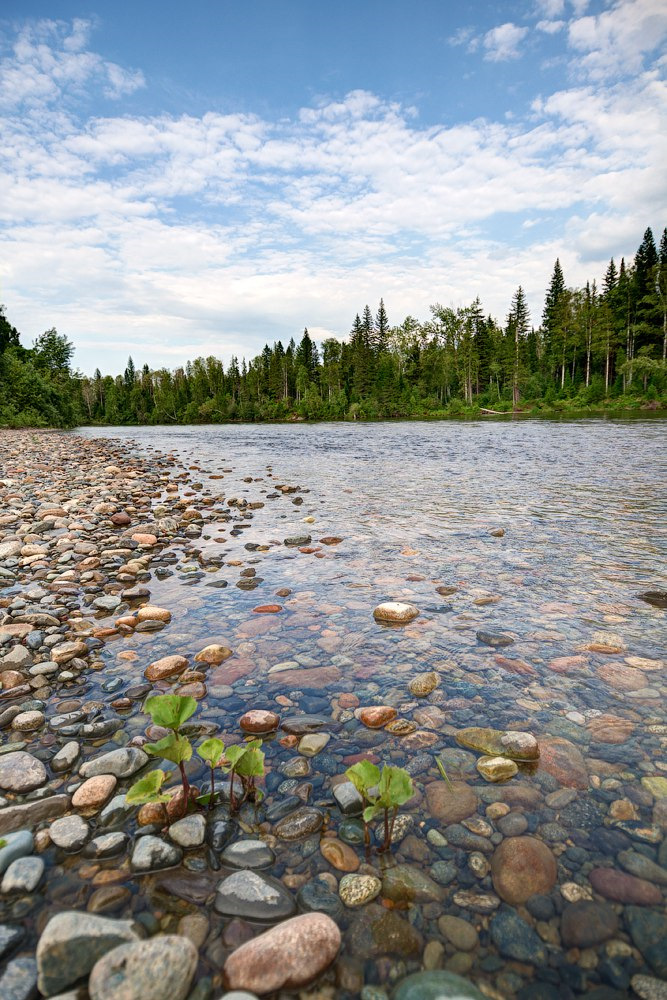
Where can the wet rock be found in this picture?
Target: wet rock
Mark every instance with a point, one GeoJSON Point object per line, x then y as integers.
{"type": "Point", "coordinates": [213, 654]}
{"type": "Point", "coordinates": [516, 939]}
{"type": "Point", "coordinates": [253, 896]}
{"type": "Point", "coordinates": [395, 612]}
{"type": "Point", "coordinates": [376, 931]}
{"type": "Point", "coordinates": [647, 987]}
{"type": "Point", "coordinates": [188, 832]}
{"type": "Point", "coordinates": [29, 814]}
{"type": "Point", "coordinates": [424, 684]}
{"type": "Point", "coordinates": [288, 956]}
{"type": "Point", "coordinates": [658, 598]}
{"type": "Point", "coordinates": [94, 792]}
{"type": "Point", "coordinates": [522, 867]}
{"type": "Point", "coordinates": [248, 854]}
{"type": "Point", "coordinates": [450, 804]}
{"type": "Point", "coordinates": [436, 984]}
{"type": "Point", "coordinates": [316, 895]}
{"type": "Point", "coordinates": [338, 854]}
{"type": "Point", "coordinates": [298, 824]}
{"type": "Point", "coordinates": [151, 853]}
{"type": "Point", "coordinates": [69, 833]}
{"type": "Point", "coordinates": [19, 979]}
{"type": "Point", "coordinates": [17, 845]}
{"type": "Point", "coordinates": [151, 613]}
{"type": "Point", "coordinates": [497, 768]}
{"type": "Point", "coordinates": [460, 933]}
{"type": "Point", "coordinates": [21, 772]}
{"type": "Point", "coordinates": [107, 845]}
{"type": "Point", "coordinates": [409, 884]}
{"type": "Point", "coordinates": [259, 722]}
{"type": "Point", "coordinates": [66, 757]}
{"type": "Point", "coordinates": [23, 875]}
{"type": "Point", "coordinates": [641, 866]}
{"type": "Point", "coordinates": [348, 799]}
{"type": "Point", "coordinates": [166, 667]}
{"type": "Point", "coordinates": [564, 761]}
{"type": "Point", "coordinates": [648, 931]}
{"type": "Point", "coordinates": [161, 968]}
{"type": "Point", "coordinates": [376, 716]}
{"type": "Point", "coordinates": [586, 924]}
{"type": "Point", "coordinates": [28, 722]}
{"type": "Point", "coordinates": [500, 743]}
{"type": "Point", "coordinates": [624, 888]}
{"type": "Point", "coordinates": [495, 639]}
{"type": "Point", "coordinates": [122, 763]}
{"type": "Point", "coordinates": [72, 943]}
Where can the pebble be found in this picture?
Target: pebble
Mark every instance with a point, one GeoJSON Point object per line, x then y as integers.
{"type": "Point", "coordinates": [460, 933]}
{"type": "Point", "coordinates": [94, 792]}
{"type": "Point", "coordinates": [395, 612]}
{"type": "Point", "coordinates": [497, 768]}
{"type": "Point", "coordinates": [150, 853]}
{"type": "Point", "coordinates": [121, 763]}
{"type": "Point", "coordinates": [436, 984]}
{"type": "Point", "coordinates": [19, 979]}
{"type": "Point", "coordinates": [587, 924]}
{"type": "Point", "coordinates": [23, 875]}
{"type": "Point", "coordinates": [16, 845]}
{"type": "Point", "coordinates": [69, 833]}
{"type": "Point", "coordinates": [21, 772]}
{"type": "Point", "coordinates": [424, 684]}
{"type": "Point", "coordinates": [247, 854]}
{"type": "Point", "coordinates": [161, 968]}
{"type": "Point", "coordinates": [357, 890]}
{"type": "Point", "coordinates": [338, 854]}
{"type": "Point", "coordinates": [188, 832]}
{"type": "Point", "coordinates": [253, 896]}
{"type": "Point", "coordinates": [71, 944]}
{"type": "Point", "coordinates": [516, 939]}
{"type": "Point", "coordinates": [522, 867]}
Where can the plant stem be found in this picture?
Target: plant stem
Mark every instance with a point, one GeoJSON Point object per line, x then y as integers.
{"type": "Point", "coordinates": [385, 846]}
{"type": "Point", "coordinates": [232, 800]}
{"type": "Point", "coordinates": [391, 827]}
{"type": "Point", "coordinates": [212, 799]}
{"type": "Point", "coordinates": [186, 787]}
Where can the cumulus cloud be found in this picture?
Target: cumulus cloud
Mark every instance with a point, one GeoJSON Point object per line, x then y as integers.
{"type": "Point", "coordinates": [502, 42]}
{"type": "Point", "coordinates": [616, 40]}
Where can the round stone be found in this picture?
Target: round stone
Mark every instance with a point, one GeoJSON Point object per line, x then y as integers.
{"type": "Point", "coordinates": [259, 721]}
{"type": "Point", "coordinates": [27, 722]}
{"type": "Point", "coordinates": [376, 716]}
{"type": "Point", "coordinates": [168, 666]}
{"type": "Point", "coordinates": [69, 832]}
{"type": "Point", "coordinates": [152, 853]}
{"type": "Point", "coordinates": [423, 684]}
{"type": "Point", "coordinates": [450, 804]}
{"type": "Point", "coordinates": [356, 890]}
{"type": "Point", "coordinates": [151, 613]}
{"type": "Point", "coordinates": [497, 768]}
{"type": "Point", "coordinates": [339, 855]}
{"type": "Point", "coordinates": [21, 772]}
{"type": "Point", "coordinates": [395, 612]}
{"type": "Point", "coordinates": [247, 854]}
{"type": "Point", "coordinates": [298, 824]}
{"type": "Point", "coordinates": [253, 895]}
{"type": "Point", "coordinates": [436, 984]}
{"type": "Point", "coordinates": [213, 654]}
{"type": "Point", "coordinates": [94, 792]}
{"type": "Point", "coordinates": [521, 867]}
{"type": "Point", "coordinates": [161, 968]}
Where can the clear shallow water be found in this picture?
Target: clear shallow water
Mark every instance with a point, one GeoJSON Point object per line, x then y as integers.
{"type": "Point", "coordinates": [583, 506]}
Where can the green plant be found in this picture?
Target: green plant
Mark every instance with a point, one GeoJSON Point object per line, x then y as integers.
{"type": "Point", "coordinates": [246, 761]}
{"type": "Point", "coordinates": [170, 711]}
{"type": "Point", "coordinates": [443, 773]}
{"type": "Point", "coordinates": [383, 792]}
{"type": "Point", "coordinates": [211, 751]}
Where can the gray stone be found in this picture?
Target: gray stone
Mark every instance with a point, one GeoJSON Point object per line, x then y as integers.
{"type": "Point", "coordinates": [66, 756]}
{"type": "Point", "coordinates": [10, 548]}
{"type": "Point", "coordinates": [115, 811]}
{"type": "Point", "coordinates": [189, 831]}
{"type": "Point", "coordinates": [348, 799]}
{"type": "Point", "coordinates": [253, 896]}
{"type": "Point", "coordinates": [10, 938]}
{"type": "Point", "coordinates": [649, 988]}
{"type": "Point", "coordinates": [150, 853]}
{"type": "Point", "coordinates": [21, 772]}
{"type": "Point", "coordinates": [31, 813]}
{"type": "Point", "coordinates": [107, 845]}
{"type": "Point", "coordinates": [19, 980]}
{"type": "Point", "coordinates": [642, 867]}
{"type": "Point", "coordinates": [122, 763]}
{"type": "Point", "coordinates": [70, 833]}
{"type": "Point", "coordinates": [248, 854]}
{"type": "Point", "coordinates": [17, 845]}
{"type": "Point", "coordinates": [516, 939]}
{"type": "Point", "coordinates": [16, 659]}
{"type": "Point", "coordinates": [72, 943]}
{"type": "Point", "coordinates": [161, 968]}
{"type": "Point", "coordinates": [436, 984]}
{"type": "Point", "coordinates": [23, 875]}
{"type": "Point", "coordinates": [407, 883]}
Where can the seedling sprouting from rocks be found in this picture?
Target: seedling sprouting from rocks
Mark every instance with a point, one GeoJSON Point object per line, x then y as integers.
{"type": "Point", "coordinates": [247, 761]}
{"type": "Point", "coordinates": [382, 792]}
{"type": "Point", "coordinates": [211, 751]}
{"type": "Point", "coordinates": [170, 711]}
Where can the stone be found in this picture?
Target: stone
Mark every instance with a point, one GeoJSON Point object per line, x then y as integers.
{"type": "Point", "coordinates": [648, 931]}
{"type": "Point", "coordinates": [66, 651]}
{"type": "Point", "coordinates": [500, 743]}
{"type": "Point", "coordinates": [69, 833]}
{"type": "Point", "coordinates": [246, 854]}
{"type": "Point", "coordinates": [72, 943]}
{"type": "Point", "coordinates": [19, 980]}
{"type": "Point", "coordinates": [151, 613]}
{"type": "Point", "coordinates": [654, 783]}
{"type": "Point", "coordinates": [66, 756]}
{"type": "Point", "coordinates": [313, 743]}
{"type": "Point", "coordinates": [23, 875]}
{"type": "Point", "coordinates": [460, 933]}
{"type": "Point", "coordinates": [17, 845]}
{"type": "Point", "coordinates": [376, 931]}
{"type": "Point", "coordinates": [395, 612]}
{"type": "Point", "coordinates": [376, 716]}
{"type": "Point", "coordinates": [357, 890]}
{"type": "Point", "coordinates": [624, 888]}
{"type": "Point", "coordinates": [188, 832]}
{"type": "Point", "coordinates": [161, 968]}
{"type": "Point", "coordinates": [450, 804]}
{"type": "Point", "coordinates": [259, 722]}
{"type": "Point", "coordinates": [28, 722]}
{"type": "Point", "coordinates": [151, 853]}
{"type": "Point", "coordinates": [166, 667]}
{"type": "Point", "coordinates": [94, 792]}
{"type": "Point", "coordinates": [348, 799]}
{"type": "Point", "coordinates": [409, 884]}
{"type": "Point", "coordinates": [495, 639]}
{"type": "Point", "coordinates": [122, 763]}
{"type": "Point", "coordinates": [497, 768]}
{"type": "Point", "coordinates": [587, 924]}
{"type": "Point", "coordinates": [647, 987]}
{"type": "Point", "coordinates": [436, 984]}
{"type": "Point", "coordinates": [338, 854]}
{"type": "Point", "coordinates": [424, 684]}
{"type": "Point", "coordinates": [288, 956]}
{"type": "Point", "coordinates": [21, 772]}
{"type": "Point", "coordinates": [29, 814]}
{"type": "Point", "coordinates": [213, 654]}
{"type": "Point", "coordinates": [563, 761]}
{"type": "Point", "coordinates": [516, 939]}
{"type": "Point", "coordinates": [641, 866]}
{"type": "Point", "coordinates": [521, 867]}
{"type": "Point", "coordinates": [252, 895]}
{"type": "Point", "coordinates": [298, 824]}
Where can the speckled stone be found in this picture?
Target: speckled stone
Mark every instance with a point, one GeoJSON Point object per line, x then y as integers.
{"type": "Point", "coordinates": [357, 890]}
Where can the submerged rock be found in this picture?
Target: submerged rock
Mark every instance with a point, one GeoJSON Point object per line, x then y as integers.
{"type": "Point", "coordinates": [159, 969]}
{"type": "Point", "coordinates": [522, 867]}
{"type": "Point", "coordinates": [395, 612]}
{"type": "Point", "coordinates": [253, 896]}
{"type": "Point", "coordinates": [436, 984]}
{"type": "Point", "coordinates": [500, 743]}
{"type": "Point", "coordinates": [71, 945]}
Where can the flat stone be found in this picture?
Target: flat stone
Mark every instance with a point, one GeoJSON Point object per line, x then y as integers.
{"type": "Point", "coordinates": [189, 831]}
{"type": "Point", "coordinates": [495, 639]}
{"type": "Point", "coordinates": [497, 768]}
{"type": "Point", "coordinates": [70, 832]}
{"type": "Point", "coordinates": [313, 743]}
{"type": "Point", "coordinates": [21, 772]}
{"type": "Point", "coordinates": [395, 612]}
{"type": "Point", "coordinates": [29, 814]}
{"type": "Point", "coordinates": [522, 867]}
{"type": "Point", "coordinates": [500, 743]}
{"type": "Point", "coordinates": [624, 888]}
{"type": "Point", "coordinates": [23, 875]}
{"type": "Point", "coordinates": [288, 956]}
{"type": "Point", "coordinates": [301, 823]}
{"type": "Point", "coordinates": [436, 984]}
{"type": "Point", "coordinates": [252, 895]}
{"type": "Point", "coordinates": [72, 943]}
{"type": "Point", "coordinates": [357, 890]}
{"type": "Point", "coordinates": [94, 792]}
{"type": "Point", "coordinates": [451, 805]}
{"type": "Point", "coordinates": [161, 968]}
{"type": "Point", "coordinates": [151, 853]}
{"type": "Point", "coordinates": [563, 761]}
{"type": "Point", "coordinates": [248, 854]}
{"type": "Point", "coordinates": [122, 763]}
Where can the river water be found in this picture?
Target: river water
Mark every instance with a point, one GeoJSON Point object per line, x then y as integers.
{"type": "Point", "coordinates": [583, 506]}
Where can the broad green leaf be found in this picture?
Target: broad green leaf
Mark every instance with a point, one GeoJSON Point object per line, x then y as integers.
{"type": "Point", "coordinates": [234, 753]}
{"type": "Point", "coordinates": [211, 750]}
{"type": "Point", "coordinates": [177, 749]}
{"type": "Point", "coordinates": [170, 710]}
{"type": "Point", "coordinates": [364, 776]}
{"type": "Point", "coordinates": [251, 764]}
{"type": "Point", "coordinates": [370, 812]}
{"type": "Point", "coordinates": [399, 787]}
{"type": "Point", "coordinates": [147, 789]}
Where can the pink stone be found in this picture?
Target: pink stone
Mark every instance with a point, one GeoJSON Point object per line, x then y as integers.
{"type": "Point", "coordinates": [376, 716]}
{"type": "Point", "coordinates": [259, 721]}
{"type": "Point", "coordinates": [624, 888]}
{"type": "Point", "coordinates": [94, 792]}
{"type": "Point", "coordinates": [168, 666]}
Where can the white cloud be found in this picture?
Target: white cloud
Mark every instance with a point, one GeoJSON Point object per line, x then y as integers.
{"type": "Point", "coordinates": [616, 41]}
{"type": "Point", "coordinates": [550, 27]}
{"type": "Point", "coordinates": [502, 43]}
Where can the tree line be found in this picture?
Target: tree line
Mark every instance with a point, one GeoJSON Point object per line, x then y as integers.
{"type": "Point", "coordinates": [594, 346]}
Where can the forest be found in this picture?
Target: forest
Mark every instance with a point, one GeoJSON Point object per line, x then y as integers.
{"type": "Point", "coordinates": [603, 346]}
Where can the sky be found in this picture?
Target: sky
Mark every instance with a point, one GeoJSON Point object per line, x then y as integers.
{"type": "Point", "coordinates": [182, 180]}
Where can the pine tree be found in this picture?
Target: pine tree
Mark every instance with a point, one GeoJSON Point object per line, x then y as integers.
{"type": "Point", "coordinates": [381, 328]}
{"type": "Point", "coordinates": [519, 324]}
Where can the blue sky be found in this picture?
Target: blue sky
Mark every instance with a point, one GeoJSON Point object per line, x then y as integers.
{"type": "Point", "coordinates": [190, 179]}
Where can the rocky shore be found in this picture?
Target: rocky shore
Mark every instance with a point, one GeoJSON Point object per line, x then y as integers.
{"type": "Point", "coordinates": [537, 868]}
